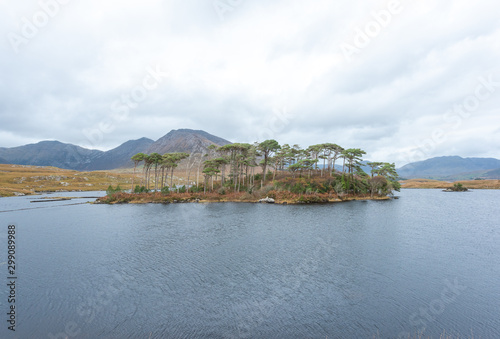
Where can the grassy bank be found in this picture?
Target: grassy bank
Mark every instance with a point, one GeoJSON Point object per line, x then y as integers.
{"type": "Point", "coordinates": [471, 184]}
{"type": "Point", "coordinates": [21, 179]}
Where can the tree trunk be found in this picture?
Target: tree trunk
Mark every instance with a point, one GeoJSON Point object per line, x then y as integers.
{"type": "Point", "coordinates": [197, 176]}
{"type": "Point", "coordinates": [263, 175]}
{"type": "Point", "coordinates": [264, 171]}
{"type": "Point", "coordinates": [162, 176]}
{"type": "Point", "coordinates": [132, 190]}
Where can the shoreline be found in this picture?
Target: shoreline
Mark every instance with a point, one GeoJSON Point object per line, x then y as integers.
{"type": "Point", "coordinates": [155, 198]}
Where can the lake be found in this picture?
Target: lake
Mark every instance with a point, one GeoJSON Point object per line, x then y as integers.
{"type": "Point", "coordinates": [426, 262]}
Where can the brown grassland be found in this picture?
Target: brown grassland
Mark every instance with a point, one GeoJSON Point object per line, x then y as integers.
{"type": "Point", "coordinates": [471, 184]}
{"type": "Point", "coordinates": [36, 179]}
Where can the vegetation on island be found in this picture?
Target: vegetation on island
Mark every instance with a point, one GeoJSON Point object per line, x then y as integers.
{"type": "Point", "coordinates": [457, 187]}
{"type": "Point", "coordinates": [249, 172]}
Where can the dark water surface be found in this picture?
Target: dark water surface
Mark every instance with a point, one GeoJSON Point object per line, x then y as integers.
{"type": "Point", "coordinates": [429, 261]}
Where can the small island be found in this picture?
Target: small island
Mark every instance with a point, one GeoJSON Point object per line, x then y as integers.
{"type": "Point", "coordinates": [235, 173]}
{"type": "Point", "coordinates": [458, 187]}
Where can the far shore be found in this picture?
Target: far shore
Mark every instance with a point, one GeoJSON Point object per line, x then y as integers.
{"type": "Point", "coordinates": [438, 184]}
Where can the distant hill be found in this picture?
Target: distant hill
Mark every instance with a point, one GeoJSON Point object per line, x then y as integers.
{"type": "Point", "coordinates": [489, 174]}
{"type": "Point", "coordinates": [493, 174]}
{"type": "Point", "coordinates": [68, 156]}
{"type": "Point", "coordinates": [452, 168]}
{"type": "Point", "coordinates": [50, 153]}
{"type": "Point", "coordinates": [186, 140]}
{"type": "Point", "coordinates": [120, 156]}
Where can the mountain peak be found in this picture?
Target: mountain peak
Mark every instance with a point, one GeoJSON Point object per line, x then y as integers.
{"type": "Point", "coordinates": [186, 140]}
{"type": "Point", "coordinates": [68, 156]}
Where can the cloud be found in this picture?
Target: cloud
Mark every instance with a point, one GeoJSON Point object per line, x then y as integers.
{"type": "Point", "coordinates": [230, 74]}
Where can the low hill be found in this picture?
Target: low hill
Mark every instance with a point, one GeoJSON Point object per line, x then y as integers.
{"type": "Point", "coordinates": [50, 153]}
{"type": "Point", "coordinates": [493, 174]}
{"type": "Point", "coordinates": [450, 168]}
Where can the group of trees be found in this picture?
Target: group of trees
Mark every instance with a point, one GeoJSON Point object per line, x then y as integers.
{"type": "Point", "coordinates": [163, 165]}
{"type": "Point", "coordinates": [233, 166]}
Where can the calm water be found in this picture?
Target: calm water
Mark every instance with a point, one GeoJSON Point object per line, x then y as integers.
{"type": "Point", "coordinates": [428, 261]}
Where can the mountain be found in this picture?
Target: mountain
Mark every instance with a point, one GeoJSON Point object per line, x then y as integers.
{"type": "Point", "coordinates": [488, 174]}
{"type": "Point", "coordinates": [185, 140]}
{"type": "Point", "coordinates": [120, 156]}
{"type": "Point", "coordinates": [68, 156]}
{"type": "Point", "coordinates": [451, 168]}
{"type": "Point", "coordinates": [493, 174]}
{"type": "Point", "coordinates": [50, 153]}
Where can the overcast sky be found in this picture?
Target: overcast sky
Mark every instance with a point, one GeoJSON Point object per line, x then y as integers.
{"type": "Point", "coordinates": [403, 80]}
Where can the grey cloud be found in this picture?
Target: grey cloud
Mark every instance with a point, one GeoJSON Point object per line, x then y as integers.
{"type": "Point", "coordinates": [228, 76]}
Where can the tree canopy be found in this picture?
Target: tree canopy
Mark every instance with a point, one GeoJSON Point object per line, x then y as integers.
{"type": "Point", "coordinates": [233, 167]}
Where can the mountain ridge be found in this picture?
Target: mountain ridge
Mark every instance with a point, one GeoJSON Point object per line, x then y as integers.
{"type": "Point", "coordinates": [119, 157]}
{"type": "Point", "coordinates": [69, 156]}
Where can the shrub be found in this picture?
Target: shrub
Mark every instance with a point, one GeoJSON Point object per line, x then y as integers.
{"type": "Point", "coordinates": [195, 189]}
{"type": "Point", "coordinates": [272, 194]}
{"type": "Point", "coordinates": [458, 187]}
{"type": "Point", "coordinates": [269, 175]}
{"type": "Point", "coordinates": [111, 190]}
{"type": "Point", "coordinates": [313, 198]}
{"type": "Point", "coordinates": [140, 189]}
